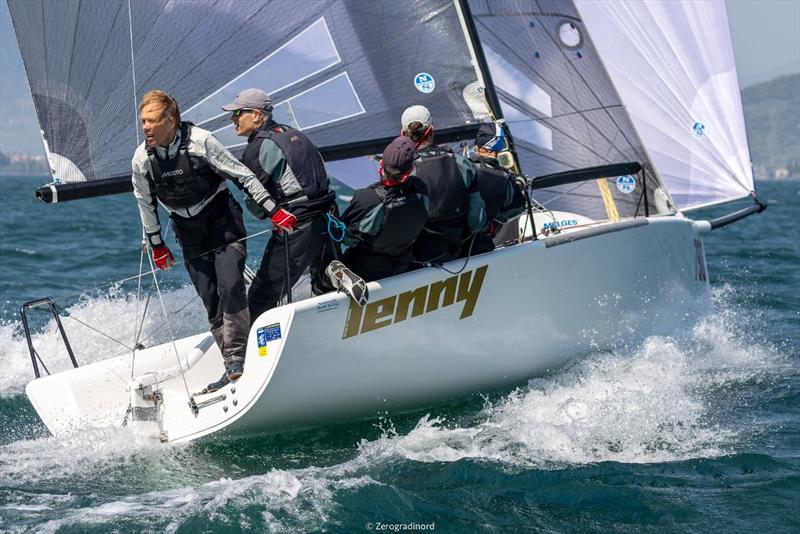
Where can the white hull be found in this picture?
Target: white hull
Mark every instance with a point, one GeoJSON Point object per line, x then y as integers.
{"type": "Point", "coordinates": [539, 305]}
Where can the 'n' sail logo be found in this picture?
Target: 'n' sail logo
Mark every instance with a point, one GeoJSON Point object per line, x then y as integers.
{"type": "Point", "coordinates": [464, 288]}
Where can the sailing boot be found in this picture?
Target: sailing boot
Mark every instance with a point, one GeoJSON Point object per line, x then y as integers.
{"type": "Point", "coordinates": [343, 279]}
{"type": "Point", "coordinates": [235, 370]}
{"type": "Point", "coordinates": [219, 384]}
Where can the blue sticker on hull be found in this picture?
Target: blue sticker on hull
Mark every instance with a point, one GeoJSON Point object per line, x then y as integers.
{"type": "Point", "coordinates": [272, 331]}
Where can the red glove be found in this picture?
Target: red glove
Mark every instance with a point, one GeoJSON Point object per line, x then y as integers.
{"type": "Point", "coordinates": [163, 257]}
{"type": "Point", "coordinates": [283, 220]}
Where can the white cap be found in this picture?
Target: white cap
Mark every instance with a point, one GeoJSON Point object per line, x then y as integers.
{"type": "Point", "coordinates": [416, 114]}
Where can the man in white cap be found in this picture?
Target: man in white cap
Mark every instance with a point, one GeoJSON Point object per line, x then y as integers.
{"type": "Point", "coordinates": [291, 169]}
{"type": "Point", "coordinates": [455, 207]}
{"type": "Point", "coordinates": [185, 168]}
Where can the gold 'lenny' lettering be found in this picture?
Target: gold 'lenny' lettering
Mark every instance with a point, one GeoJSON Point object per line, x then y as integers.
{"type": "Point", "coordinates": [353, 321]}
{"type": "Point", "coordinates": [417, 296]}
{"type": "Point", "coordinates": [447, 286]}
{"type": "Point", "coordinates": [465, 288]}
{"type": "Point", "coordinates": [469, 292]}
{"type": "Point", "coordinates": [378, 314]}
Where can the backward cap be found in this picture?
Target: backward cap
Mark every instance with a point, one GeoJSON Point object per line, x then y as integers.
{"type": "Point", "coordinates": [400, 153]}
{"type": "Point", "coordinates": [486, 134]}
{"type": "Point", "coordinates": [251, 99]}
{"type": "Point", "coordinates": [416, 114]}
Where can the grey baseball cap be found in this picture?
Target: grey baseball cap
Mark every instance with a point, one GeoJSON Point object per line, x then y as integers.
{"type": "Point", "coordinates": [415, 114]}
{"type": "Point", "coordinates": [250, 99]}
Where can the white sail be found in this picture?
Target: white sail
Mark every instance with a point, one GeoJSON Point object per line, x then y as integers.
{"type": "Point", "coordinates": [673, 66]}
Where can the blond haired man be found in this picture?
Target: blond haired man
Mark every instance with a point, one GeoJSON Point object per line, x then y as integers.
{"type": "Point", "coordinates": [184, 168]}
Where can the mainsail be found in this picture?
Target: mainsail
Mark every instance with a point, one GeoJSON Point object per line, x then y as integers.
{"type": "Point", "coordinates": [580, 84]}
{"type": "Point", "coordinates": [672, 63]}
{"type": "Point", "coordinates": [341, 70]}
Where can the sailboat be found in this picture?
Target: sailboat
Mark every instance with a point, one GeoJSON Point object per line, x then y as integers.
{"type": "Point", "coordinates": [625, 117]}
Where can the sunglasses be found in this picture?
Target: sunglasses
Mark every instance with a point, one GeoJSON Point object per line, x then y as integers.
{"type": "Point", "coordinates": [238, 112]}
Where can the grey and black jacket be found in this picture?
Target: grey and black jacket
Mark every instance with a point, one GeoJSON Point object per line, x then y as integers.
{"type": "Point", "coordinates": [186, 177]}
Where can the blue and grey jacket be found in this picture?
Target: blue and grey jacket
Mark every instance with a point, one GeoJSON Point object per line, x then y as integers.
{"type": "Point", "coordinates": [289, 166]}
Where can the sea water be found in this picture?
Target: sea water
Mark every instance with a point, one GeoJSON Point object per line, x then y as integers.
{"type": "Point", "coordinates": [696, 432]}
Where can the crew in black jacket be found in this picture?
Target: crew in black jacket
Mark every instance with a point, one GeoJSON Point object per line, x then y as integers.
{"type": "Point", "coordinates": [455, 208]}
{"type": "Point", "coordinates": [384, 220]}
{"type": "Point", "coordinates": [290, 167]}
{"type": "Point", "coordinates": [502, 191]}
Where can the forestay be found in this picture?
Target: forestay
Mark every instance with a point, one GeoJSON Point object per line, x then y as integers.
{"type": "Point", "coordinates": [673, 65]}
{"type": "Point", "coordinates": [341, 70]}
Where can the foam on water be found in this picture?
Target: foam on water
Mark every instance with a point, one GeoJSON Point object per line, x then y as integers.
{"type": "Point", "coordinates": [114, 314]}
{"type": "Point", "coordinates": [651, 404]}
{"type": "Point", "coordinates": [287, 500]}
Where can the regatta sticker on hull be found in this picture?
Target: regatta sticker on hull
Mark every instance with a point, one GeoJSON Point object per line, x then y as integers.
{"type": "Point", "coordinates": [327, 305]}
{"type": "Point", "coordinates": [266, 334]}
{"type": "Point", "coordinates": [465, 288]}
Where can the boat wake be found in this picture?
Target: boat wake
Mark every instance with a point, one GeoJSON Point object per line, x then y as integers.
{"type": "Point", "coordinates": [663, 400]}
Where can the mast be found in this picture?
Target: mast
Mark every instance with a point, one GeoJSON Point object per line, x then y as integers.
{"type": "Point", "coordinates": [484, 74]}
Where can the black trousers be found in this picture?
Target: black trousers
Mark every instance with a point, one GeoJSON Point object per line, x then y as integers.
{"type": "Point", "coordinates": [310, 247]}
{"type": "Point", "coordinates": [219, 280]}
{"type": "Point", "coordinates": [216, 266]}
{"type": "Point", "coordinates": [440, 242]}
{"type": "Point", "coordinates": [371, 265]}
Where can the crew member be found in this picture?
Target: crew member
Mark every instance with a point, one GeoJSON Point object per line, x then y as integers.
{"type": "Point", "coordinates": [386, 218]}
{"type": "Point", "coordinates": [455, 207]}
{"type": "Point", "coordinates": [184, 168]}
{"type": "Point", "coordinates": [290, 167]}
{"type": "Point", "coordinates": [502, 191]}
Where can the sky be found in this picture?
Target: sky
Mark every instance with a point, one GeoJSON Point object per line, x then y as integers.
{"type": "Point", "coordinates": [765, 34]}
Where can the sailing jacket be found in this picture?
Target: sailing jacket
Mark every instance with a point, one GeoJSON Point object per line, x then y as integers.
{"type": "Point", "coordinates": [290, 167]}
{"type": "Point", "coordinates": [502, 197]}
{"type": "Point", "coordinates": [450, 184]}
{"type": "Point", "coordinates": [382, 225]}
{"type": "Point", "coordinates": [207, 163]}
{"type": "Point", "coordinates": [455, 209]}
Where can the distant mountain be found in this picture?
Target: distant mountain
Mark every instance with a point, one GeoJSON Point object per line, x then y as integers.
{"type": "Point", "coordinates": [772, 117]}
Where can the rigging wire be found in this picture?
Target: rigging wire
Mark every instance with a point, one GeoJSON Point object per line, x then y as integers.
{"type": "Point", "coordinates": [169, 329]}
{"type": "Point", "coordinates": [138, 330]}
{"type": "Point", "coordinates": [133, 75]}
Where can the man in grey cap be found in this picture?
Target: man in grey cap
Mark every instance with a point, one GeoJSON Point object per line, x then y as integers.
{"type": "Point", "coordinates": [456, 211]}
{"type": "Point", "coordinates": [291, 169]}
